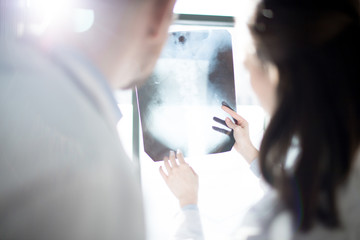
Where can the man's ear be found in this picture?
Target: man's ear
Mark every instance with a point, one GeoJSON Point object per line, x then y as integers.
{"type": "Point", "coordinates": [161, 16]}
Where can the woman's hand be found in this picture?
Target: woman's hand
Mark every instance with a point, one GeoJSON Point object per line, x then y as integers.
{"type": "Point", "coordinates": [241, 134]}
{"type": "Point", "coordinates": [181, 179]}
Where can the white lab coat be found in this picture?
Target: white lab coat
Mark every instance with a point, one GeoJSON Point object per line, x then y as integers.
{"type": "Point", "coordinates": [63, 171]}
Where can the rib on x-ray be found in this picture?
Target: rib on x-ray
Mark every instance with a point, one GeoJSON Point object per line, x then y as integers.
{"type": "Point", "coordinates": [192, 78]}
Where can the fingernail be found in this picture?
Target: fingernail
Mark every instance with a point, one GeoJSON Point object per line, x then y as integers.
{"type": "Point", "coordinates": [172, 153]}
{"type": "Point", "coordinates": [178, 151]}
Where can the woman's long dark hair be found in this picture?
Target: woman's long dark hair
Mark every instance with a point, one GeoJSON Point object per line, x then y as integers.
{"type": "Point", "coordinates": [316, 47]}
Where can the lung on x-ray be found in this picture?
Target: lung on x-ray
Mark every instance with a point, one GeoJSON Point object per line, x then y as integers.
{"type": "Point", "coordinates": [191, 80]}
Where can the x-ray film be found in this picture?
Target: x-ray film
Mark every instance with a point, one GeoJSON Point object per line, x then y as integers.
{"type": "Point", "coordinates": [192, 78]}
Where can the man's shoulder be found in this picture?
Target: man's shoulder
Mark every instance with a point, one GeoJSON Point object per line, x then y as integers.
{"type": "Point", "coordinates": [39, 100]}
{"type": "Point", "coordinates": [30, 76]}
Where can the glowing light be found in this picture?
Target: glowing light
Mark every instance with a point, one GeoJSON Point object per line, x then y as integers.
{"type": "Point", "coordinates": [44, 14]}
{"type": "Point", "coordinates": [83, 20]}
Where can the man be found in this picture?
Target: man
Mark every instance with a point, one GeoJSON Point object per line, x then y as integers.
{"type": "Point", "coordinates": [63, 171]}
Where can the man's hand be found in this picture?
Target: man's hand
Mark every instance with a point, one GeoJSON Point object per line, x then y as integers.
{"type": "Point", "coordinates": [181, 179]}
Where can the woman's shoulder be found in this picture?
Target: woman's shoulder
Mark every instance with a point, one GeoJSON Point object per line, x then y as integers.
{"type": "Point", "coordinates": [348, 198]}
{"type": "Point", "coordinates": [268, 219]}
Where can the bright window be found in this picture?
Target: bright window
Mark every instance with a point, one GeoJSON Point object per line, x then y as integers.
{"type": "Point", "coordinates": [208, 7]}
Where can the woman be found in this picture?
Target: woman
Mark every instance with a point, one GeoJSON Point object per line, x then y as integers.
{"type": "Point", "coordinates": [306, 74]}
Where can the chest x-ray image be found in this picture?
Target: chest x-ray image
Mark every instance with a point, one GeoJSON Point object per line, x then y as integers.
{"type": "Point", "coordinates": [192, 78]}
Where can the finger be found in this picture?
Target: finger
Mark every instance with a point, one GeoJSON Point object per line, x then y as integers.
{"type": "Point", "coordinates": [167, 165]}
{"type": "Point", "coordinates": [163, 174]}
{"type": "Point", "coordinates": [220, 130]}
{"type": "Point", "coordinates": [232, 113]}
{"type": "Point", "coordinates": [226, 105]}
{"type": "Point", "coordinates": [241, 121]}
{"type": "Point", "coordinates": [172, 159]}
{"type": "Point", "coordinates": [180, 157]}
{"type": "Point", "coordinates": [230, 124]}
